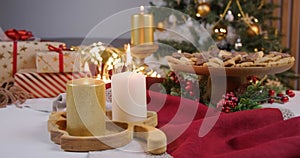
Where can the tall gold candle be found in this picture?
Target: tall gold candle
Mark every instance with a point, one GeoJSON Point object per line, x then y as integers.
{"type": "Point", "coordinates": [142, 26]}
{"type": "Point", "coordinates": [86, 107]}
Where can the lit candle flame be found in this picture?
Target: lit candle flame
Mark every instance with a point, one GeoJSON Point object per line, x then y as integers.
{"type": "Point", "coordinates": [142, 9]}
{"type": "Point", "coordinates": [128, 55]}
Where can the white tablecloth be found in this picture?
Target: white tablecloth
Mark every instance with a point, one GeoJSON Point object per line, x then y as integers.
{"type": "Point", "coordinates": [23, 132]}
{"type": "Point", "coordinates": [24, 135]}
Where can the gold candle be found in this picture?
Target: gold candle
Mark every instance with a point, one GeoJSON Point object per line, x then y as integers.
{"type": "Point", "coordinates": [86, 107]}
{"type": "Point", "coordinates": [142, 28]}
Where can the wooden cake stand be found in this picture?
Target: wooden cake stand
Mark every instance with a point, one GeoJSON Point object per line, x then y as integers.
{"type": "Point", "coordinates": [117, 134]}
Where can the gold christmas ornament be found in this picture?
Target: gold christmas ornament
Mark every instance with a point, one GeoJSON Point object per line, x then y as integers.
{"type": "Point", "coordinates": [220, 32]}
{"type": "Point", "coordinates": [253, 30]}
{"type": "Point", "coordinates": [203, 9]}
{"type": "Point", "coordinates": [160, 26]}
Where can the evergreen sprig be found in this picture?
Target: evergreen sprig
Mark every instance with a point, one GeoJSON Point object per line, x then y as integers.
{"type": "Point", "coordinates": [249, 96]}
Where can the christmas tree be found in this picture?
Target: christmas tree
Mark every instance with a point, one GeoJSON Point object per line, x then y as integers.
{"type": "Point", "coordinates": [235, 25]}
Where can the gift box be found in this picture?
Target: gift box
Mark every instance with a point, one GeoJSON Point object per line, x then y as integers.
{"type": "Point", "coordinates": [19, 55]}
{"type": "Point", "coordinates": [45, 85]}
{"type": "Point", "coordinates": [16, 54]}
{"type": "Point", "coordinates": [58, 60]}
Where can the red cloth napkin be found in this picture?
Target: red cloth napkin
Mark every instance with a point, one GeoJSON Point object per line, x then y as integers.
{"type": "Point", "coordinates": [245, 134]}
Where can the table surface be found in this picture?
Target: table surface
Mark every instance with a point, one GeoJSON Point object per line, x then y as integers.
{"type": "Point", "coordinates": [24, 132]}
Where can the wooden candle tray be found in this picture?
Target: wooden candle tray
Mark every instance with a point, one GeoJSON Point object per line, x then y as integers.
{"type": "Point", "coordinates": [117, 134]}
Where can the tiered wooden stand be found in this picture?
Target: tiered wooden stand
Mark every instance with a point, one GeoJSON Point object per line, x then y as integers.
{"type": "Point", "coordinates": [117, 134]}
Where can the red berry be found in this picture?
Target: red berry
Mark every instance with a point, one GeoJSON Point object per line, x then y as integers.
{"type": "Point", "coordinates": [235, 99]}
{"type": "Point", "coordinates": [271, 101]}
{"type": "Point", "coordinates": [271, 92]}
{"type": "Point", "coordinates": [288, 91]}
{"type": "Point", "coordinates": [279, 95]}
{"type": "Point", "coordinates": [226, 97]}
{"type": "Point", "coordinates": [285, 99]}
{"type": "Point", "coordinates": [292, 94]}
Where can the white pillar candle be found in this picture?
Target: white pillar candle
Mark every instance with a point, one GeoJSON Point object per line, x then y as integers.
{"type": "Point", "coordinates": [129, 97]}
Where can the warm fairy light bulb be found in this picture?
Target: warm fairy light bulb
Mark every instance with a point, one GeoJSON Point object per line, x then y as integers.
{"type": "Point", "coordinates": [154, 74]}
{"type": "Point", "coordinates": [223, 30]}
{"type": "Point", "coordinates": [98, 77]}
